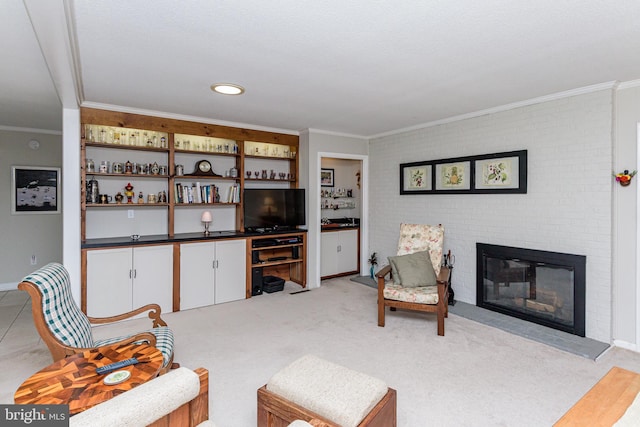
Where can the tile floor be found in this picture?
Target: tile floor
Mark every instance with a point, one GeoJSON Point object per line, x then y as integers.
{"type": "Point", "coordinates": [19, 340]}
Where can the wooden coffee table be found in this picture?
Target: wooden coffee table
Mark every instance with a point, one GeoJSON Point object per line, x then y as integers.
{"type": "Point", "coordinates": [74, 380]}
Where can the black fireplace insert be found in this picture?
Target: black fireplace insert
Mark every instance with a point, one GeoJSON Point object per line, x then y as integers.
{"type": "Point", "coordinates": [543, 287]}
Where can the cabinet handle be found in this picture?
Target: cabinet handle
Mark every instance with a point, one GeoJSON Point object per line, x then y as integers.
{"type": "Point", "coordinates": [214, 264]}
{"type": "Point", "coordinates": [135, 273]}
{"type": "Point", "coordinates": [130, 274]}
{"type": "Point", "coordinates": [339, 248]}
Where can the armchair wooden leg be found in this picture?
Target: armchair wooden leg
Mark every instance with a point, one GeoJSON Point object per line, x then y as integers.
{"type": "Point", "coordinates": [381, 313]}
{"type": "Point", "coordinates": [381, 301]}
{"type": "Point", "coordinates": [441, 316]}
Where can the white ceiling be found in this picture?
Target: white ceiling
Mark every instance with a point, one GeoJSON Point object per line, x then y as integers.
{"type": "Point", "coordinates": [359, 67]}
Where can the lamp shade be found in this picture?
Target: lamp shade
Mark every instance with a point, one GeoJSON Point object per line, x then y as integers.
{"type": "Point", "coordinates": [206, 216]}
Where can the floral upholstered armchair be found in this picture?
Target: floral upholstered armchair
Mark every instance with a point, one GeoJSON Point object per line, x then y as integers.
{"type": "Point", "coordinates": [417, 280]}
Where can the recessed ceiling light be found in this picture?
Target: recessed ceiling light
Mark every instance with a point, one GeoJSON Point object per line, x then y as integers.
{"type": "Point", "coordinates": [227, 88]}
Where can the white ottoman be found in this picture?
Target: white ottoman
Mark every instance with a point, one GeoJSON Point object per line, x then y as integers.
{"type": "Point", "coordinates": [313, 388]}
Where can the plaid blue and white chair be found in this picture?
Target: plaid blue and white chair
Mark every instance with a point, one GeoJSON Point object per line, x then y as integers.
{"type": "Point", "coordinates": [67, 330]}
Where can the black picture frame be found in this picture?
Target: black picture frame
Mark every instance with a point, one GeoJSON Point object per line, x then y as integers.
{"type": "Point", "coordinates": [504, 172]}
{"type": "Point", "coordinates": [35, 190]}
{"type": "Point", "coordinates": [327, 177]}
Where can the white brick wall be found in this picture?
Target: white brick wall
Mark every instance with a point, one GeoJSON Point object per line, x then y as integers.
{"type": "Point", "coordinates": [567, 208]}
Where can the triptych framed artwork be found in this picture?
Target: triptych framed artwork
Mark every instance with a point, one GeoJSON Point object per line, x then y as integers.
{"type": "Point", "coordinates": [504, 172]}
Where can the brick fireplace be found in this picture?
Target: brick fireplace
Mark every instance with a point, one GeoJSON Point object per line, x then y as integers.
{"type": "Point", "coordinates": [543, 287]}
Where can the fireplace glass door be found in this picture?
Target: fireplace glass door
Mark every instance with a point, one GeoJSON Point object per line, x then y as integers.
{"type": "Point", "coordinates": [530, 287]}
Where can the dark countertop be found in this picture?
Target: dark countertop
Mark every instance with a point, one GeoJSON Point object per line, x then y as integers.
{"type": "Point", "coordinates": [336, 227]}
{"type": "Point", "coordinates": [178, 238]}
{"type": "Point", "coordinates": [346, 223]}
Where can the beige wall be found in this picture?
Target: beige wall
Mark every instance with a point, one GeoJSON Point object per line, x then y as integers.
{"type": "Point", "coordinates": [24, 235]}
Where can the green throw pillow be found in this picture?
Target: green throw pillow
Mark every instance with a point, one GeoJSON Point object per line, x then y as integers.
{"type": "Point", "coordinates": [413, 270]}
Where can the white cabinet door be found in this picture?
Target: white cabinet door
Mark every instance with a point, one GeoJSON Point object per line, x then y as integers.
{"type": "Point", "coordinates": [329, 253]}
{"type": "Point", "coordinates": [338, 252]}
{"type": "Point", "coordinates": [230, 272]}
{"type": "Point", "coordinates": [109, 282]}
{"type": "Point", "coordinates": [348, 251]}
{"type": "Point", "coordinates": [153, 276]}
{"type": "Point", "coordinates": [196, 274]}
{"type": "Point", "coordinates": [212, 273]}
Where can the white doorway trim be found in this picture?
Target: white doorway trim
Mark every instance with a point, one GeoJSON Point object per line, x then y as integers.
{"type": "Point", "coordinates": [637, 343]}
{"type": "Point", "coordinates": [364, 212]}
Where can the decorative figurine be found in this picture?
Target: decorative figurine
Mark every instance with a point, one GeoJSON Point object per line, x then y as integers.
{"type": "Point", "coordinates": [140, 197]}
{"type": "Point", "coordinates": [128, 191]}
{"type": "Point", "coordinates": [624, 178]}
{"type": "Point", "coordinates": [119, 197]}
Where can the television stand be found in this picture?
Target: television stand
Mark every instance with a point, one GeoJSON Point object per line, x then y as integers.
{"type": "Point", "coordinates": [283, 255]}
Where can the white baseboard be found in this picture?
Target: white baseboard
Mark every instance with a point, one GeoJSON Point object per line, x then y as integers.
{"type": "Point", "coordinates": [8, 286]}
{"type": "Point", "coordinates": [626, 345]}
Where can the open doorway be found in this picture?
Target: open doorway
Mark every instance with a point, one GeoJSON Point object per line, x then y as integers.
{"type": "Point", "coordinates": [341, 216]}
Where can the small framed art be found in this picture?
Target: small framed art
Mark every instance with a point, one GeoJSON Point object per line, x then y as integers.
{"type": "Point", "coordinates": [415, 178]}
{"type": "Point", "coordinates": [454, 176]}
{"type": "Point", "coordinates": [501, 172]}
{"type": "Point", "coordinates": [35, 190]}
{"type": "Point", "coordinates": [326, 177]}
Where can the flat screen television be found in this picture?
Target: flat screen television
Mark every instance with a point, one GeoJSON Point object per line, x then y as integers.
{"type": "Point", "coordinates": [274, 208]}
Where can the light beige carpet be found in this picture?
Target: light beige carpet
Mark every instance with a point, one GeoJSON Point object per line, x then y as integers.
{"type": "Point", "coordinates": [475, 375]}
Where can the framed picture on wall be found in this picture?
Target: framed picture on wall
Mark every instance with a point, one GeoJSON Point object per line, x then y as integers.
{"type": "Point", "coordinates": [326, 177]}
{"type": "Point", "coordinates": [504, 172]}
{"type": "Point", "coordinates": [35, 190]}
{"type": "Point", "coordinates": [416, 178]}
{"type": "Point", "coordinates": [454, 176]}
{"type": "Point", "coordinates": [501, 172]}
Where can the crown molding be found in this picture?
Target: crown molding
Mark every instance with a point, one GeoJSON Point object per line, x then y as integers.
{"type": "Point", "coordinates": [629, 84]}
{"type": "Point", "coordinates": [506, 107]}
{"type": "Point", "coordinates": [331, 133]}
{"type": "Point", "coordinates": [30, 130]}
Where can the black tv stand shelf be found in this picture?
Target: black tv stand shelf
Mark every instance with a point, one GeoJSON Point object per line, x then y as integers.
{"type": "Point", "coordinates": [282, 255]}
{"type": "Point", "coordinates": [276, 241]}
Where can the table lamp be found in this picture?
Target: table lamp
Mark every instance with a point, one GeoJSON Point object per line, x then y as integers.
{"type": "Point", "coordinates": [206, 219]}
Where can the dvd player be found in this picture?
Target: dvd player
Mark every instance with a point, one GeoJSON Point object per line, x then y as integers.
{"type": "Point", "coordinates": [262, 243]}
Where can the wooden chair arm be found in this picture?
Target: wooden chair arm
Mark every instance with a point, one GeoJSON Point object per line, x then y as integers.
{"type": "Point", "coordinates": [380, 276]}
{"type": "Point", "coordinates": [154, 314]}
{"type": "Point", "coordinates": [444, 276]}
{"type": "Point", "coordinates": [140, 336]}
{"type": "Point", "coordinates": [383, 271]}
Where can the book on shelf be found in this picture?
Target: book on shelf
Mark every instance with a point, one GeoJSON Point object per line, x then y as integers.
{"type": "Point", "coordinates": [202, 193]}
{"type": "Point", "coordinates": [178, 193]}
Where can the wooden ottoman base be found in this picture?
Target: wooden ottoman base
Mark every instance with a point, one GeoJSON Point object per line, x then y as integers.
{"type": "Point", "coordinates": [276, 411]}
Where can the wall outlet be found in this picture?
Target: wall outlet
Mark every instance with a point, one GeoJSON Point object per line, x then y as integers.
{"type": "Point", "coordinates": [130, 213]}
{"type": "Point", "coordinates": [34, 259]}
